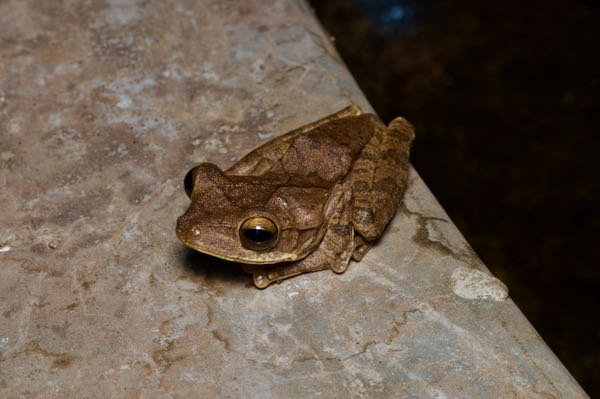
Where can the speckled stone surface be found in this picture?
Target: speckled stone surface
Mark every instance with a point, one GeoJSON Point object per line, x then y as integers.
{"type": "Point", "coordinates": [104, 105]}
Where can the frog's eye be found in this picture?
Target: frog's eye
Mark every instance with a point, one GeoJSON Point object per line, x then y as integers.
{"type": "Point", "coordinates": [188, 182]}
{"type": "Point", "coordinates": [259, 234]}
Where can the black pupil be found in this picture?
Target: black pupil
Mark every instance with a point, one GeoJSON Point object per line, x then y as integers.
{"type": "Point", "coordinates": [257, 234]}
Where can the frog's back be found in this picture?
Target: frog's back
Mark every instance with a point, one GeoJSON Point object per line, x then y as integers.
{"type": "Point", "coordinates": [327, 152]}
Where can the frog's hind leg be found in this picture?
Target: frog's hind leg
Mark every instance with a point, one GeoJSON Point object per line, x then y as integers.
{"type": "Point", "coordinates": [334, 252]}
{"type": "Point", "coordinates": [379, 179]}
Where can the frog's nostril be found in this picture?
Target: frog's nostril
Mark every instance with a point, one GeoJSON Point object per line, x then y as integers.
{"type": "Point", "coordinates": [259, 234]}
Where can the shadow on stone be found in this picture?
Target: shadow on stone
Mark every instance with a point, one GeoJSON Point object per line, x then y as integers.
{"type": "Point", "coordinates": [213, 270]}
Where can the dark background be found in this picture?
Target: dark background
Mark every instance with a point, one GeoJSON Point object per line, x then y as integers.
{"type": "Point", "coordinates": [504, 97]}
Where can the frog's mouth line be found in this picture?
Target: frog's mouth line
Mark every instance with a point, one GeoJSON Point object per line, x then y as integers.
{"type": "Point", "coordinates": [262, 261]}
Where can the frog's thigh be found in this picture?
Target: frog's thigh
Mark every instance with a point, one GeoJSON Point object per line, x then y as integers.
{"type": "Point", "coordinates": [379, 178]}
{"type": "Point", "coordinates": [334, 252]}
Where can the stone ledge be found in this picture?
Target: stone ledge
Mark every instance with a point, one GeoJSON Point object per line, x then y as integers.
{"type": "Point", "coordinates": [103, 108]}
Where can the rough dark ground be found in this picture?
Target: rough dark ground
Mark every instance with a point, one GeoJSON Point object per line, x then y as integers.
{"type": "Point", "coordinates": [504, 96]}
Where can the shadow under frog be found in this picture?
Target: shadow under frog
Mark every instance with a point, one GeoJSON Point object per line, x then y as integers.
{"type": "Point", "coordinates": [310, 200]}
{"type": "Point", "coordinates": [211, 270]}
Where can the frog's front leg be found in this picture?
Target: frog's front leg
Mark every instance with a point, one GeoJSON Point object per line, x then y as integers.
{"type": "Point", "coordinates": [334, 252]}
{"type": "Point", "coordinates": [378, 181]}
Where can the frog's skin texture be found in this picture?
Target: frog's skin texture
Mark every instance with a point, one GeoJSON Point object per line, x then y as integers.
{"type": "Point", "coordinates": [330, 187]}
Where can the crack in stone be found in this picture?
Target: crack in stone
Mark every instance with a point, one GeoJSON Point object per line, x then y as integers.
{"type": "Point", "coordinates": [60, 360]}
{"type": "Point", "coordinates": [315, 358]}
{"type": "Point", "coordinates": [221, 338]}
{"type": "Point", "coordinates": [163, 358]}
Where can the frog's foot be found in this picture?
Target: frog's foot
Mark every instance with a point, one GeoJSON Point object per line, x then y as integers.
{"type": "Point", "coordinates": [312, 263]}
{"type": "Point", "coordinates": [334, 253]}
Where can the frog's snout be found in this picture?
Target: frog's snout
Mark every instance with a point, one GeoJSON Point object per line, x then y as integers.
{"type": "Point", "coordinates": [185, 230]}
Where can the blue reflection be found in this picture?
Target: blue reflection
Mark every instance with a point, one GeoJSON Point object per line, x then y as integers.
{"type": "Point", "coordinates": [390, 16]}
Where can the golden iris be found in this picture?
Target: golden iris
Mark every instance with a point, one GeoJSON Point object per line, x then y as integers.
{"type": "Point", "coordinates": [259, 234]}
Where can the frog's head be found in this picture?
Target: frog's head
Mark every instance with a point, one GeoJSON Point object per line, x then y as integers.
{"type": "Point", "coordinates": [256, 220]}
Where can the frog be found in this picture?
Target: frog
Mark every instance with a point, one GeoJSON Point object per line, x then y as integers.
{"type": "Point", "coordinates": [312, 199]}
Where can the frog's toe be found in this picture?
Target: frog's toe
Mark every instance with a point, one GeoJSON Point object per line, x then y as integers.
{"type": "Point", "coordinates": [339, 266]}
{"type": "Point", "coordinates": [261, 280]}
{"type": "Point", "coordinates": [360, 251]}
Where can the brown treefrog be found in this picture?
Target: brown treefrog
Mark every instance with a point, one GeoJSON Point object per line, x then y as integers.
{"type": "Point", "coordinates": [309, 200]}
